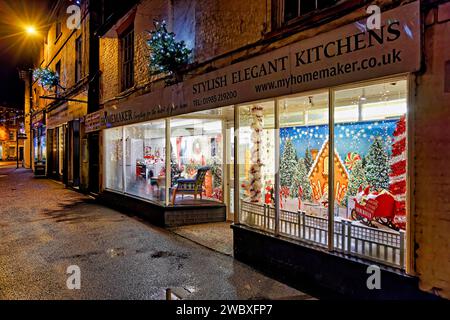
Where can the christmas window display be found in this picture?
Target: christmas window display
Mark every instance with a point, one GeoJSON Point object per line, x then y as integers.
{"type": "Point", "coordinates": [257, 153]}
{"type": "Point", "coordinates": [197, 143]}
{"type": "Point", "coordinates": [113, 159]}
{"type": "Point", "coordinates": [145, 160]}
{"type": "Point", "coordinates": [369, 157]}
{"type": "Point", "coordinates": [304, 150]}
{"type": "Point", "coordinates": [374, 149]}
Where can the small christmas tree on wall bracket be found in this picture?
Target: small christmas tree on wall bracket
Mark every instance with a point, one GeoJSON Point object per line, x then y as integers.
{"type": "Point", "coordinates": [167, 55]}
{"type": "Point", "coordinates": [46, 78]}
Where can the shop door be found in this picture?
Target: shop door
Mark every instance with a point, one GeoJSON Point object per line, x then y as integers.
{"type": "Point", "coordinates": [52, 161]}
{"type": "Point", "coordinates": [93, 145]}
{"type": "Point", "coordinates": [66, 152]}
{"type": "Point", "coordinates": [74, 153]}
{"type": "Point", "coordinates": [61, 156]}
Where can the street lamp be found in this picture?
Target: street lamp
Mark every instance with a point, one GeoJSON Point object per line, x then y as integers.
{"type": "Point", "coordinates": [31, 30]}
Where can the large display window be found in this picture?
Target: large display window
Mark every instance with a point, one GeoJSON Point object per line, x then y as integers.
{"type": "Point", "coordinates": [198, 156]}
{"type": "Point", "coordinates": [113, 142]}
{"type": "Point", "coordinates": [371, 145]}
{"type": "Point", "coordinates": [145, 160]}
{"type": "Point", "coordinates": [256, 161]}
{"type": "Point", "coordinates": [136, 157]}
{"type": "Point", "coordinates": [304, 140]}
{"type": "Point", "coordinates": [355, 134]}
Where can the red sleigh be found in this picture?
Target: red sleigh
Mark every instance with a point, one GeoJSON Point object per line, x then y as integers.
{"type": "Point", "coordinates": [380, 208]}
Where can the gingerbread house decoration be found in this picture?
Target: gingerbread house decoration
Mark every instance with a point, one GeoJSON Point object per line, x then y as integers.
{"type": "Point", "coordinates": [318, 175]}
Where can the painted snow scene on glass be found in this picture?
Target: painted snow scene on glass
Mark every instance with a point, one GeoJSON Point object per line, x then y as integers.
{"type": "Point", "coordinates": [369, 171]}
{"type": "Point", "coordinates": [369, 158]}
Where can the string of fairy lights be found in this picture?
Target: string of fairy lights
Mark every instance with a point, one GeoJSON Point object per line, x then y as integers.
{"type": "Point", "coordinates": [12, 118]}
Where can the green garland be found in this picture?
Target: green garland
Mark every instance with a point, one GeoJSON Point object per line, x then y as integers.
{"type": "Point", "coordinates": [167, 54]}
{"type": "Point", "coordinates": [46, 78]}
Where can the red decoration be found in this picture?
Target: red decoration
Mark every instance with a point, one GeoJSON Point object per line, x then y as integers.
{"type": "Point", "coordinates": [398, 173]}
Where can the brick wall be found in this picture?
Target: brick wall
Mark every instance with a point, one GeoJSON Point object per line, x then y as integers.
{"type": "Point", "coordinates": [210, 27]}
{"type": "Point", "coordinates": [222, 26]}
{"type": "Point", "coordinates": [62, 49]}
{"type": "Point", "coordinates": [109, 66]}
{"type": "Point", "coordinates": [432, 174]}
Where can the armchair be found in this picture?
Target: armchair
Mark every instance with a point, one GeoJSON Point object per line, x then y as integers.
{"type": "Point", "coordinates": [191, 186]}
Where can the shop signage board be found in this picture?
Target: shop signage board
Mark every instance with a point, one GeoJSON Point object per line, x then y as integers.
{"type": "Point", "coordinates": [38, 119]}
{"type": "Point", "coordinates": [348, 54]}
{"type": "Point", "coordinates": [92, 121]}
{"type": "Point", "coordinates": [66, 112]}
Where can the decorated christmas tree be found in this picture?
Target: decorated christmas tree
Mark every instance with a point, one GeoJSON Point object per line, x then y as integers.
{"type": "Point", "coordinates": [377, 166]}
{"type": "Point", "coordinates": [167, 54]}
{"type": "Point", "coordinates": [288, 165]}
{"type": "Point", "coordinates": [357, 179]}
{"type": "Point", "coordinates": [301, 181]}
{"type": "Point", "coordinates": [308, 160]}
{"type": "Point", "coordinates": [46, 78]}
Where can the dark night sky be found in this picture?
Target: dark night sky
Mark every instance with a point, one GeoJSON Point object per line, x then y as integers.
{"type": "Point", "coordinates": [17, 48]}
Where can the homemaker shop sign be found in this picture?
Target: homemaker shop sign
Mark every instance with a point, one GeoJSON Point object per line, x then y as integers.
{"type": "Point", "coordinates": [348, 54]}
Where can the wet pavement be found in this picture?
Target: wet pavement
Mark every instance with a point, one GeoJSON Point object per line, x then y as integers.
{"type": "Point", "coordinates": [216, 236]}
{"type": "Point", "coordinates": [45, 228]}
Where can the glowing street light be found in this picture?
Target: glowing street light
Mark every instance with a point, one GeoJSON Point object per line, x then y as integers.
{"type": "Point", "coordinates": [31, 30]}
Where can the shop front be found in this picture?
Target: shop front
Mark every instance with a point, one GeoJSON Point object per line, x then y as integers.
{"type": "Point", "coordinates": [64, 143]}
{"type": "Point", "coordinates": [307, 154]}
{"type": "Point", "coordinates": [176, 165]}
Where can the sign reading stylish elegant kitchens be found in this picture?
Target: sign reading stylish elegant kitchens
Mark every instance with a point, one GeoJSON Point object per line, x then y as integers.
{"type": "Point", "coordinates": [348, 54]}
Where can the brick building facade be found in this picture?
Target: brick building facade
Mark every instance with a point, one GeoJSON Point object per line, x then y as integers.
{"type": "Point", "coordinates": [11, 124]}
{"type": "Point", "coordinates": [223, 34]}
{"type": "Point", "coordinates": [71, 50]}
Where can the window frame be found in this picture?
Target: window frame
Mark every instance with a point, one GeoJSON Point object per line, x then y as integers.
{"type": "Point", "coordinates": [126, 44]}
{"type": "Point", "coordinates": [318, 16]}
{"type": "Point", "coordinates": [58, 30]}
{"type": "Point", "coordinates": [58, 72]}
{"type": "Point", "coordinates": [78, 58]}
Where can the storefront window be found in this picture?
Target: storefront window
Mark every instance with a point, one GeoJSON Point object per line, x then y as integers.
{"type": "Point", "coordinates": [197, 156]}
{"type": "Point", "coordinates": [113, 159]}
{"type": "Point", "coordinates": [304, 140]}
{"type": "Point", "coordinates": [256, 163]}
{"type": "Point", "coordinates": [145, 160]}
{"type": "Point", "coordinates": [370, 181]}
{"type": "Point", "coordinates": [369, 160]}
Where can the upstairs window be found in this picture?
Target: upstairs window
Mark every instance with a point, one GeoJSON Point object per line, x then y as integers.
{"type": "Point", "coordinates": [58, 30]}
{"type": "Point", "coordinates": [127, 58]}
{"type": "Point", "coordinates": [285, 12]}
{"type": "Point", "coordinates": [78, 59]}
{"type": "Point", "coordinates": [297, 8]}
{"type": "Point", "coordinates": [58, 72]}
